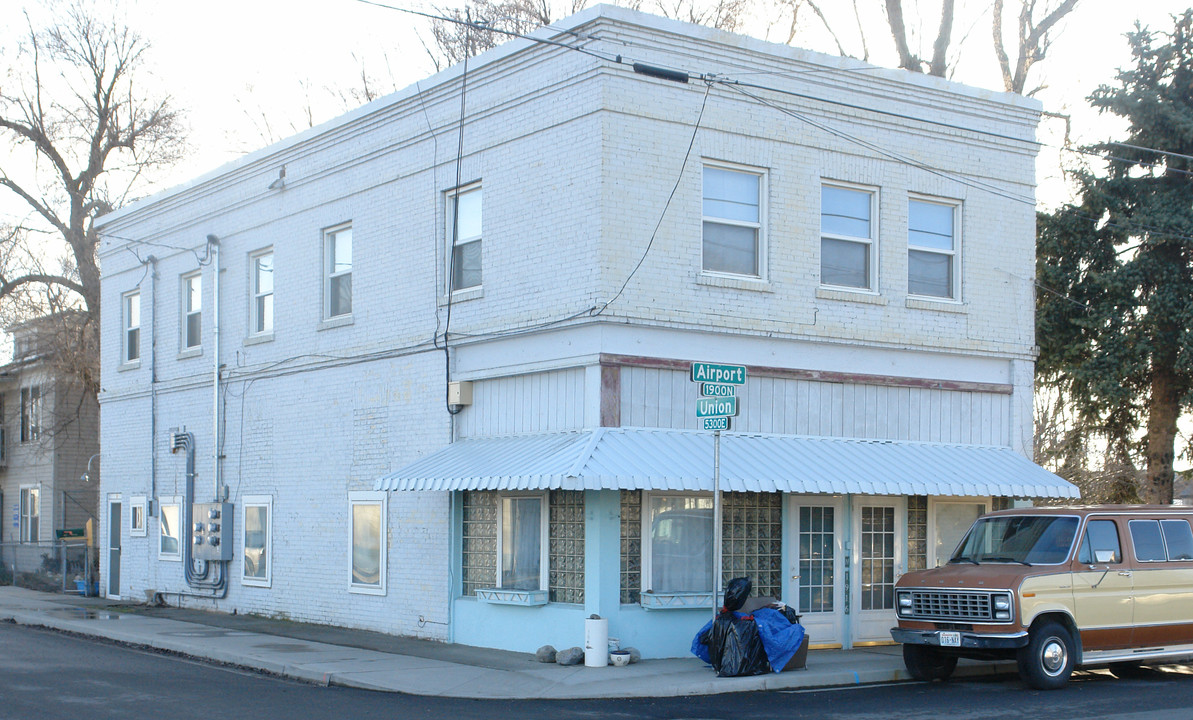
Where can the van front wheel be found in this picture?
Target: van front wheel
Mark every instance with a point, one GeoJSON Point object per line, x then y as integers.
{"type": "Point", "coordinates": [1047, 661]}
{"type": "Point", "coordinates": [925, 663]}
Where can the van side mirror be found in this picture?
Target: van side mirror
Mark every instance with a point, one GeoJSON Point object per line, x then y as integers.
{"type": "Point", "coordinates": [1104, 556]}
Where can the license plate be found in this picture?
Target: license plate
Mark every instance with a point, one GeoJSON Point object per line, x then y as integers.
{"type": "Point", "coordinates": [950, 639]}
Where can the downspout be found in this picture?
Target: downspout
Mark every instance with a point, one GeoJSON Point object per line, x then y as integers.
{"type": "Point", "coordinates": [152, 385]}
{"type": "Point", "coordinates": [214, 242]}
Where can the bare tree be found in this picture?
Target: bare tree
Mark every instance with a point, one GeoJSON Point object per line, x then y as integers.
{"type": "Point", "coordinates": [1104, 469]}
{"type": "Point", "coordinates": [82, 133]}
{"type": "Point", "coordinates": [1033, 37]}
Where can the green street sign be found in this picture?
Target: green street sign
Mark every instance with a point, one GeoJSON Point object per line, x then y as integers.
{"type": "Point", "coordinates": [715, 423]}
{"type": "Point", "coordinates": [721, 374]}
{"type": "Point", "coordinates": [717, 390]}
{"type": "Point", "coordinates": [716, 407]}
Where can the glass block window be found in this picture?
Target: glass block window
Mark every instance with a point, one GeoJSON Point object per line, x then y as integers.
{"type": "Point", "coordinates": [878, 558]}
{"type": "Point", "coordinates": [566, 533]}
{"type": "Point", "coordinates": [631, 545]}
{"type": "Point", "coordinates": [817, 558]}
{"type": "Point", "coordinates": [917, 532]}
{"type": "Point", "coordinates": [752, 540]}
{"type": "Point", "coordinates": [479, 545]}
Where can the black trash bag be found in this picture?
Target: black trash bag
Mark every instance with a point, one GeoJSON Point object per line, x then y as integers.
{"type": "Point", "coordinates": [791, 615]}
{"type": "Point", "coordinates": [742, 653]}
{"type": "Point", "coordinates": [736, 593]}
{"type": "Point", "coordinates": [715, 637]}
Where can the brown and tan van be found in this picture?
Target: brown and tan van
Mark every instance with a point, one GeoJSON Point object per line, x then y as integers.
{"type": "Point", "coordinates": [1055, 588]}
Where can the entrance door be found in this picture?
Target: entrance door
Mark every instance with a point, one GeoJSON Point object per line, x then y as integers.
{"type": "Point", "coordinates": [876, 562]}
{"type": "Point", "coordinates": [114, 547]}
{"type": "Point", "coordinates": [815, 570]}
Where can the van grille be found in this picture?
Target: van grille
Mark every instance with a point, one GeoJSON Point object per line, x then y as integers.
{"type": "Point", "coordinates": [949, 605]}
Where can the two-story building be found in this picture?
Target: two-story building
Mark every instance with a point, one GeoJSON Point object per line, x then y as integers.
{"type": "Point", "coordinates": [435, 353]}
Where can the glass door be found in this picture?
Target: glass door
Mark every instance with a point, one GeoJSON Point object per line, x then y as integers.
{"type": "Point", "coordinates": [114, 547]}
{"type": "Point", "coordinates": [877, 561]}
{"type": "Point", "coordinates": [815, 579]}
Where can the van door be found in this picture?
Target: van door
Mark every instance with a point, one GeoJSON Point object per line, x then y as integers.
{"type": "Point", "coordinates": [1163, 549]}
{"type": "Point", "coordinates": [1103, 587]}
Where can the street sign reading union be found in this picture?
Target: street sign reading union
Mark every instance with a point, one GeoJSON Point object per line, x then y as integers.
{"type": "Point", "coordinates": [716, 407]}
{"type": "Point", "coordinates": [714, 373]}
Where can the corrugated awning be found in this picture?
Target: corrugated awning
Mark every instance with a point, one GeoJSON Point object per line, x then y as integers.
{"type": "Point", "coordinates": [664, 459]}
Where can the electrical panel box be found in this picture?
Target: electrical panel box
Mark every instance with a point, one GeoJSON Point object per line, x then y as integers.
{"type": "Point", "coordinates": [211, 531]}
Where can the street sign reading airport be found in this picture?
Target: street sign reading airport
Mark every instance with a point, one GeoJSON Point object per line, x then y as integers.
{"type": "Point", "coordinates": [716, 407]}
{"type": "Point", "coordinates": [720, 374]}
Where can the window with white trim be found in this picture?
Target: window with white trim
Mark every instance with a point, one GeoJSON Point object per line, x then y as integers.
{"type": "Point", "coordinates": [131, 351]}
{"type": "Point", "coordinates": [262, 310]}
{"type": "Point", "coordinates": [169, 525]}
{"type": "Point", "coordinates": [678, 543]}
{"type": "Point", "coordinates": [847, 252]}
{"type": "Point", "coordinates": [31, 411]}
{"type": "Point", "coordinates": [257, 519]}
{"type": "Point", "coordinates": [30, 514]}
{"type": "Point", "coordinates": [733, 230]}
{"type": "Point", "coordinates": [464, 238]}
{"type": "Point", "coordinates": [136, 515]}
{"type": "Point", "coordinates": [367, 537]}
{"type": "Point", "coordinates": [522, 542]}
{"type": "Point", "coordinates": [337, 272]}
{"type": "Point", "coordinates": [192, 311]}
{"type": "Point", "coordinates": [932, 246]}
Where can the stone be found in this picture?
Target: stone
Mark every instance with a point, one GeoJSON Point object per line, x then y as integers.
{"type": "Point", "coordinates": [571, 656]}
{"type": "Point", "coordinates": [635, 656]}
{"type": "Point", "coordinates": [545, 654]}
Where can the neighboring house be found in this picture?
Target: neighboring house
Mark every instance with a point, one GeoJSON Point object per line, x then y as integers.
{"type": "Point", "coordinates": [862, 240]}
{"type": "Point", "coordinates": [49, 430]}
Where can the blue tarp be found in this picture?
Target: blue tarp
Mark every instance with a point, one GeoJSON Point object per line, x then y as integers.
{"type": "Point", "coordinates": [780, 638]}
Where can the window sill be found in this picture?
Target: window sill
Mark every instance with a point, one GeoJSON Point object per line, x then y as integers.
{"type": "Point", "coordinates": [259, 338]}
{"type": "Point", "coordinates": [366, 590]}
{"type": "Point", "coordinates": [137, 533]}
{"type": "Point", "coordinates": [940, 305]}
{"type": "Point", "coordinates": [675, 600]}
{"type": "Point", "coordinates": [125, 367]}
{"type": "Point", "coordinates": [335, 322]}
{"type": "Point", "coordinates": [190, 352]}
{"type": "Point", "coordinates": [733, 283]}
{"type": "Point", "coordinates": [170, 558]}
{"type": "Point", "coordinates": [253, 582]}
{"type": "Point", "coordinates": [498, 596]}
{"type": "Point", "coordinates": [861, 296]}
{"type": "Point", "coordinates": [463, 295]}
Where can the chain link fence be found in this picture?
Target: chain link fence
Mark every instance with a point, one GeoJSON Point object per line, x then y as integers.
{"type": "Point", "coordinates": [50, 567]}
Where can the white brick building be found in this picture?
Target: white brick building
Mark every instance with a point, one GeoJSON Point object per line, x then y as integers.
{"type": "Point", "coordinates": [860, 239]}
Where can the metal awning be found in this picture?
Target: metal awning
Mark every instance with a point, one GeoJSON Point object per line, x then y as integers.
{"type": "Point", "coordinates": [665, 459]}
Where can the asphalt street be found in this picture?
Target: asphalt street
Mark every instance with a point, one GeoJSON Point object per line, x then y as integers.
{"type": "Point", "coordinates": [45, 674]}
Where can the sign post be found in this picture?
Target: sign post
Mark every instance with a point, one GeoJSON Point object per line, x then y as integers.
{"type": "Point", "coordinates": [718, 388]}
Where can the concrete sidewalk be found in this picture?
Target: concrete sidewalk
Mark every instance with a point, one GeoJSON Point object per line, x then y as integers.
{"type": "Point", "coordinates": [355, 658]}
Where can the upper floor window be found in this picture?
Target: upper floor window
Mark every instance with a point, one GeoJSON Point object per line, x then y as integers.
{"type": "Point", "coordinates": [932, 249]}
{"type": "Point", "coordinates": [733, 231]}
{"type": "Point", "coordinates": [132, 327]}
{"type": "Point", "coordinates": [31, 406]}
{"type": "Point", "coordinates": [262, 264]}
{"type": "Point", "coordinates": [192, 311]}
{"type": "Point", "coordinates": [847, 237]}
{"type": "Point", "coordinates": [464, 237]}
{"type": "Point", "coordinates": [337, 272]}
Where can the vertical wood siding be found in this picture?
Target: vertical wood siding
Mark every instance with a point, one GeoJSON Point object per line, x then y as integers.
{"type": "Point", "coordinates": [534, 403]}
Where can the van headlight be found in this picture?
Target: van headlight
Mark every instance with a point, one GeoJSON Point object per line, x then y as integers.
{"type": "Point", "coordinates": [1002, 607]}
{"type": "Point", "coordinates": [904, 603]}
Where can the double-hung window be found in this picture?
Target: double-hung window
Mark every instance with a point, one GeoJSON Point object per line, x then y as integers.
{"type": "Point", "coordinates": [522, 542]}
{"type": "Point", "coordinates": [262, 310]}
{"type": "Point", "coordinates": [337, 272]}
{"type": "Point", "coordinates": [30, 514]}
{"type": "Point", "coordinates": [169, 528]}
{"type": "Point", "coordinates": [367, 515]}
{"type": "Point", "coordinates": [131, 351]}
{"type": "Point", "coordinates": [258, 560]}
{"type": "Point", "coordinates": [192, 311]}
{"type": "Point", "coordinates": [679, 543]}
{"type": "Point", "coordinates": [733, 230]}
{"type": "Point", "coordinates": [464, 238]}
{"type": "Point", "coordinates": [932, 249]}
{"type": "Point", "coordinates": [847, 237]}
{"type": "Point", "coordinates": [31, 407]}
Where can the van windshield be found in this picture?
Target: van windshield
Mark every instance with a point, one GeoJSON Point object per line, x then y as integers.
{"type": "Point", "coordinates": [1029, 540]}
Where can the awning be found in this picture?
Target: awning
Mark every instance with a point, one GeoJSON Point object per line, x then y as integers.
{"type": "Point", "coordinates": [665, 459]}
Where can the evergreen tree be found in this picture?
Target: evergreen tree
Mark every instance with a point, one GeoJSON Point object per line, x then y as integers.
{"type": "Point", "coordinates": [1115, 315]}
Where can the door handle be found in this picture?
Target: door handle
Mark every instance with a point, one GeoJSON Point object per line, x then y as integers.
{"type": "Point", "coordinates": [795, 577]}
{"type": "Point", "coordinates": [1125, 573]}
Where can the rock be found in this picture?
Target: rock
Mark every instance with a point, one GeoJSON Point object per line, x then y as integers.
{"type": "Point", "coordinates": [571, 656]}
{"type": "Point", "coordinates": [545, 654]}
{"type": "Point", "coordinates": [635, 656]}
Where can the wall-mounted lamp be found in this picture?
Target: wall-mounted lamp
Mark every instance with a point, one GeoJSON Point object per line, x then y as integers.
{"type": "Point", "coordinates": [280, 182]}
{"type": "Point", "coordinates": [87, 475]}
